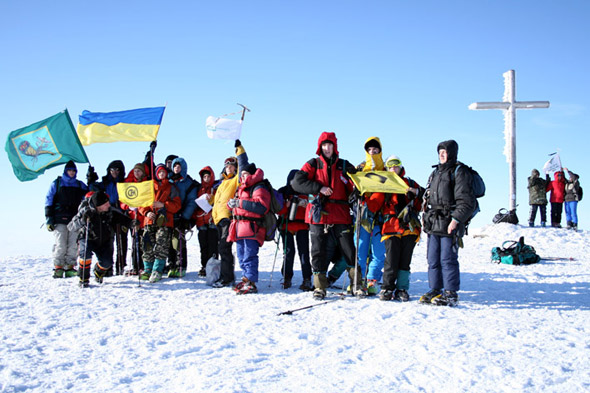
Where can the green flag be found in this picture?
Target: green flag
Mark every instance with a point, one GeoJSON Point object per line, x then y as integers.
{"type": "Point", "coordinates": [42, 145]}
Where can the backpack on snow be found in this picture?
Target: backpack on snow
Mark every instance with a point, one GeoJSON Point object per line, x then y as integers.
{"type": "Point", "coordinates": [516, 253]}
{"type": "Point", "coordinates": [505, 215]}
{"type": "Point", "coordinates": [269, 221]}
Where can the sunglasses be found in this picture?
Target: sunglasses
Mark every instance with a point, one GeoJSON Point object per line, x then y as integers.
{"type": "Point", "coordinates": [393, 162]}
{"type": "Point", "coordinates": [230, 162]}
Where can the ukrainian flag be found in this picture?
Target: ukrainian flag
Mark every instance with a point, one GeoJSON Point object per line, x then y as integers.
{"type": "Point", "coordinates": [135, 125]}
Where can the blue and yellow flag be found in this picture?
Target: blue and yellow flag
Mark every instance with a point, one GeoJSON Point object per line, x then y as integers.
{"type": "Point", "coordinates": [135, 125]}
{"type": "Point", "coordinates": [136, 194]}
{"type": "Point", "coordinates": [42, 145]}
{"type": "Point", "coordinates": [379, 181]}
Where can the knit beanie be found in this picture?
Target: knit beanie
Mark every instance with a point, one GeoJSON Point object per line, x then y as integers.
{"type": "Point", "coordinates": [99, 198]}
{"type": "Point", "coordinates": [250, 168]}
{"type": "Point", "coordinates": [71, 165]}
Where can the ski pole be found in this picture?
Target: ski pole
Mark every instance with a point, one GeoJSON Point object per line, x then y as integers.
{"type": "Point", "coordinates": [86, 251]}
{"type": "Point", "coordinates": [137, 256]}
{"type": "Point", "coordinates": [290, 312]}
{"type": "Point", "coordinates": [180, 259]}
{"type": "Point", "coordinates": [356, 253]}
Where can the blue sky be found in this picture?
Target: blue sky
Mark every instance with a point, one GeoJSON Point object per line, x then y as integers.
{"type": "Point", "coordinates": [403, 71]}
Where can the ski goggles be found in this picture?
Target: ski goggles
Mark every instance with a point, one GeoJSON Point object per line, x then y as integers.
{"type": "Point", "coordinates": [393, 162]}
{"type": "Point", "coordinates": [231, 161]}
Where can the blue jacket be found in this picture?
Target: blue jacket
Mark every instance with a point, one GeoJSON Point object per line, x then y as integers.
{"type": "Point", "coordinates": [63, 198]}
{"type": "Point", "coordinates": [187, 189]}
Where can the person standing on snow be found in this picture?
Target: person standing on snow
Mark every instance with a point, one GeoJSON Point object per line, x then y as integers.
{"type": "Point", "coordinates": [208, 236]}
{"type": "Point", "coordinates": [292, 230]}
{"type": "Point", "coordinates": [573, 194]}
{"type": "Point", "coordinates": [329, 214]}
{"type": "Point", "coordinates": [96, 221]}
{"type": "Point", "coordinates": [222, 214]}
{"type": "Point", "coordinates": [159, 221]}
{"type": "Point", "coordinates": [400, 232]}
{"type": "Point", "coordinates": [537, 197]}
{"type": "Point", "coordinates": [371, 219]}
{"type": "Point", "coordinates": [187, 188]}
{"type": "Point", "coordinates": [556, 197]}
{"type": "Point", "coordinates": [246, 229]}
{"type": "Point", "coordinates": [61, 205]}
{"type": "Point", "coordinates": [449, 205]}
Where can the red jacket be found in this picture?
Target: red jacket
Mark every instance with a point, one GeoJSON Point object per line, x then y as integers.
{"type": "Point", "coordinates": [201, 218]}
{"type": "Point", "coordinates": [319, 172]}
{"type": "Point", "coordinates": [393, 204]}
{"type": "Point", "coordinates": [557, 188]}
{"type": "Point", "coordinates": [253, 203]}
{"type": "Point", "coordinates": [168, 195]}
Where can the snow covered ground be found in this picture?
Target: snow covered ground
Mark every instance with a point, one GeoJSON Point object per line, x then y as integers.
{"type": "Point", "coordinates": [516, 329]}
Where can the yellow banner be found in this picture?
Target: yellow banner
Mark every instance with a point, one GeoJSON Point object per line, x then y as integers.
{"type": "Point", "coordinates": [136, 194]}
{"type": "Point", "coordinates": [379, 181]}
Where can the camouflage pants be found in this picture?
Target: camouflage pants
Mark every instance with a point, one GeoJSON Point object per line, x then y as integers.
{"type": "Point", "coordinates": [155, 242]}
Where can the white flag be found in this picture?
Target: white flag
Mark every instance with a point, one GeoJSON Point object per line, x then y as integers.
{"type": "Point", "coordinates": [553, 165]}
{"type": "Point", "coordinates": [221, 128]}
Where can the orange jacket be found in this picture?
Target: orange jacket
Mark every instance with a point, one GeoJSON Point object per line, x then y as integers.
{"type": "Point", "coordinates": [168, 195]}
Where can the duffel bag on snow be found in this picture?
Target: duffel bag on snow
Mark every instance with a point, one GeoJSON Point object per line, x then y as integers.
{"type": "Point", "coordinates": [505, 215]}
{"type": "Point", "coordinates": [515, 253]}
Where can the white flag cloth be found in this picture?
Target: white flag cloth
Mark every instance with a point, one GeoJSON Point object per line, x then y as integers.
{"type": "Point", "coordinates": [220, 128]}
{"type": "Point", "coordinates": [553, 165]}
{"type": "Point", "coordinates": [203, 203]}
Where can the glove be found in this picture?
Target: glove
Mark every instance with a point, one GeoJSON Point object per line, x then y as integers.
{"type": "Point", "coordinates": [91, 175]}
{"type": "Point", "coordinates": [153, 145]}
{"type": "Point", "coordinates": [238, 143]}
{"type": "Point", "coordinates": [405, 216]}
{"type": "Point", "coordinates": [410, 194]}
{"type": "Point", "coordinates": [50, 227]}
{"type": "Point", "coordinates": [233, 203]}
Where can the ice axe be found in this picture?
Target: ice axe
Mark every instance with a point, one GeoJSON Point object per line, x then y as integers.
{"type": "Point", "coordinates": [244, 109]}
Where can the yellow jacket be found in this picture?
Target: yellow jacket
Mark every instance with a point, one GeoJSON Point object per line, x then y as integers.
{"type": "Point", "coordinates": [227, 188]}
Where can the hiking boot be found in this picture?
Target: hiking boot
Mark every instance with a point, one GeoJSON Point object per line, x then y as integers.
{"type": "Point", "coordinates": [386, 294]}
{"type": "Point", "coordinates": [448, 298]}
{"type": "Point", "coordinates": [319, 294]}
{"type": "Point", "coordinates": [320, 281]}
{"type": "Point", "coordinates": [70, 273]}
{"type": "Point", "coordinates": [287, 284]}
{"type": "Point", "coordinates": [372, 287]}
{"type": "Point", "coordinates": [180, 273]}
{"type": "Point", "coordinates": [99, 274]}
{"type": "Point", "coordinates": [203, 272]}
{"type": "Point", "coordinates": [401, 295]}
{"type": "Point", "coordinates": [83, 284]}
{"type": "Point", "coordinates": [145, 275]}
{"type": "Point", "coordinates": [306, 285]}
{"type": "Point", "coordinates": [543, 224]}
{"type": "Point", "coordinates": [58, 273]}
{"type": "Point", "coordinates": [221, 284]}
{"type": "Point", "coordinates": [531, 224]}
{"type": "Point", "coordinates": [360, 291]}
{"type": "Point", "coordinates": [172, 273]}
{"type": "Point", "coordinates": [428, 296]}
{"type": "Point", "coordinates": [247, 287]}
{"type": "Point", "coordinates": [155, 277]}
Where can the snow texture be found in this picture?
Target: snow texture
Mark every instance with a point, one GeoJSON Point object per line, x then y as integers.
{"type": "Point", "coordinates": [516, 329]}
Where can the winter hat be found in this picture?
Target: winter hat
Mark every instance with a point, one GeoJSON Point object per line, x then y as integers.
{"type": "Point", "coordinates": [250, 168]}
{"type": "Point", "coordinates": [71, 165]}
{"type": "Point", "coordinates": [372, 142]}
{"type": "Point", "coordinates": [230, 161]}
{"type": "Point", "coordinates": [161, 167]}
{"type": "Point", "coordinates": [535, 173]}
{"type": "Point", "coordinates": [99, 198]}
{"type": "Point", "coordinates": [171, 158]}
{"type": "Point", "coordinates": [139, 166]}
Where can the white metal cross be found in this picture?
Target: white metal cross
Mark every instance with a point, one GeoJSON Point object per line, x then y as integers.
{"type": "Point", "coordinates": [509, 105]}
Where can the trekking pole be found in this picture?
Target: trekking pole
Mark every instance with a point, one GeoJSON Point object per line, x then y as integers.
{"type": "Point", "coordinates": [277, 251]}
{"type": "Point", "coordinates": [180, 239]}
{"type": "Point", "coordinates": [290, 312]}
{"type": "Point", "coordinates": [357, 232]}
{"type": "Point", "coordinates": [85, 250]}
{"type": "Point", "coordinates": [119, 250]}
{"type": "Point", "coordinates": [137, 256]}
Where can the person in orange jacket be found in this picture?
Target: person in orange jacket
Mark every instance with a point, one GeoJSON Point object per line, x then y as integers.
{"type": "Point", "coordinates": [400, 232]}
{"type": "Point", "coordinates": [159, 221]}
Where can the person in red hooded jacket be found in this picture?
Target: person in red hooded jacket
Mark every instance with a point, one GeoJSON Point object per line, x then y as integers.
{"type": "Point", "coordinates": [329, 213]}
{"type": "Point", "coordinates": [159, 221]}
{"type": "Point", "coordinates": [208, 235]}
{"type": "Point", "coordinates": [246, 230]}
{"type": "Point", "coordinates": [556, 197]}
